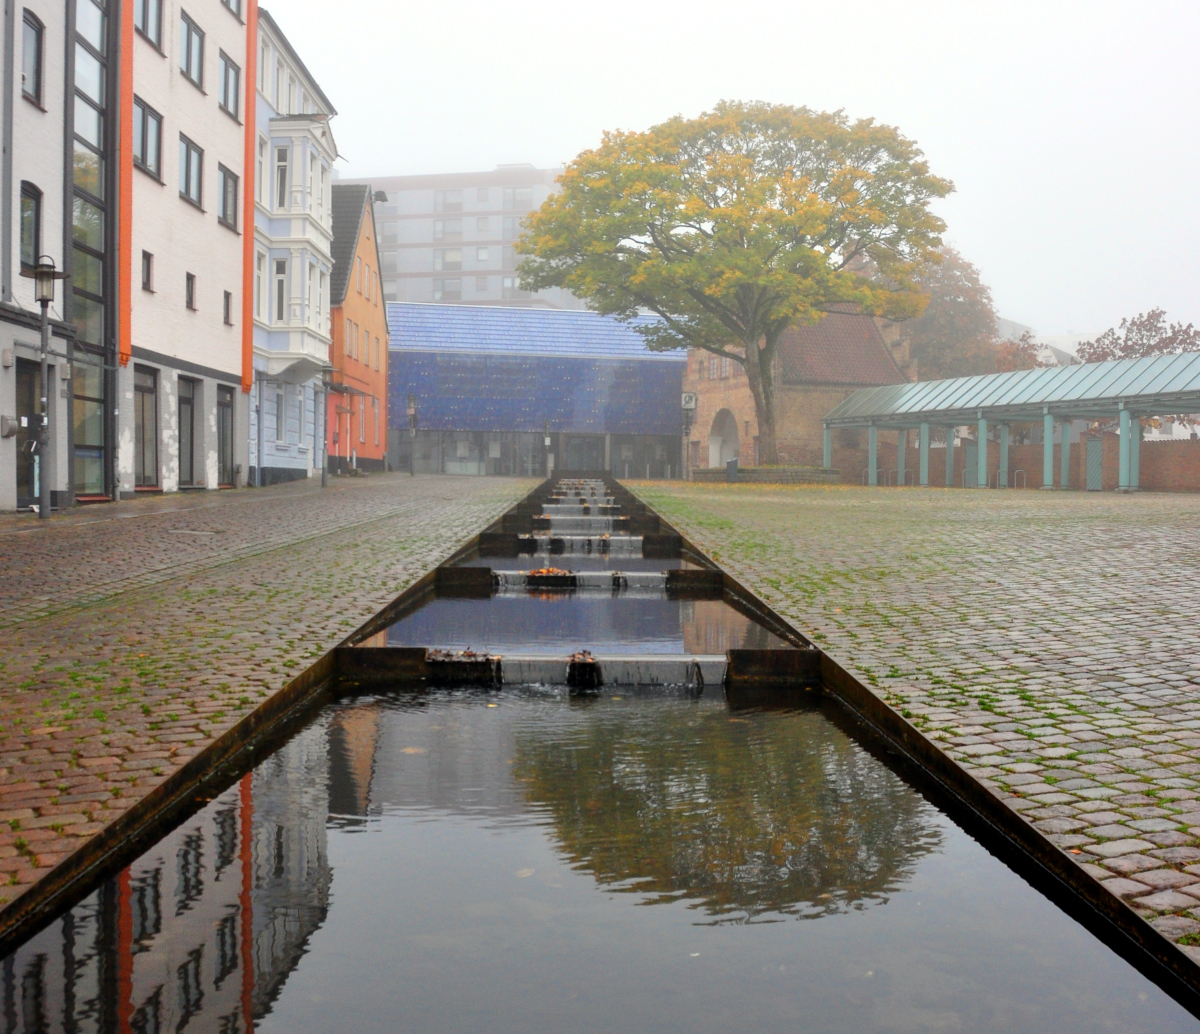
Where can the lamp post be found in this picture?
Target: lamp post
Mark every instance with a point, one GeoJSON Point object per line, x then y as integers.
{"type": "Point", "coordinates": [412, 435]}
{"type": "Point", "coordinates": [326, 384]}
{"type": "Point", "coordinates": [688, 409]}
{"type": "Point", "coordinates": [43, 276]}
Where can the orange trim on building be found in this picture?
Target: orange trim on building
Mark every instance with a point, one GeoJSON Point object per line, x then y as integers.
{"type": "Point", "coordinates": [124, 954]}
{"type": "Point", "coordinates": [125, 190]}
{"type": "Point", "coordinates": [246, 853]}
{"type": "Point", "coordinates": [248, 195]}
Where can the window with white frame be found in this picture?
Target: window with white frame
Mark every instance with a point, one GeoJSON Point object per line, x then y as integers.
{"type": "Point", "coordinates": [281, 177]}
{"type": "Point", "coordinates": [280, 290]}
{"type": "Point", "coordinates": [260, 272]}
{"type": "Point", "coordinates": [349, 336]}
{"type": "Point", "coordinates": [362, 419]}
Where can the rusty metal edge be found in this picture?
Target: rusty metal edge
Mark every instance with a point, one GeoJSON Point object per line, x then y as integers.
{"type": "Point", "coordinates": [1161, 961]}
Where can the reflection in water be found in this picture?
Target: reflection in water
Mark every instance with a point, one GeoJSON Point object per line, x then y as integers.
{"type": "Point", "coordinates": [747, 817]}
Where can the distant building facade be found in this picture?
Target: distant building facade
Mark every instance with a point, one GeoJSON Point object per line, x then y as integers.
{"type": "Point", "coordinates": [292, 263]}
{"type": "Point", "coordinates": [815, 368]}
{"type": "Point", "coordinates": [492, 384]}
{"type": "Point", "coordinates": [449, 238]}
{"type": "Point", "coordinates": [357, 417]}
{"type": "Point", "coordinates": [36, 163]}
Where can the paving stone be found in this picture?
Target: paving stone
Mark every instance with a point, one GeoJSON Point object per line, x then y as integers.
{"type": "Point", "coordinates": [1124, 888]}
{"type": "Point", "coordinates": [1115, 848]}
{"type": "Point", "coordinates": [1059, 825]}
{"type": "Point", "coordinates": [1166, 901]}
{"type": "Point", "coordinates": [1174, 927]}
{"type": "Point", "coordinates": [1114, 831]}
{"type": "Point", "coordinates": [1178, 855]}
{"type": "Point", "coordinates": [1168, 839]}
{"type": "Point", "coordinates": [1167, 879]}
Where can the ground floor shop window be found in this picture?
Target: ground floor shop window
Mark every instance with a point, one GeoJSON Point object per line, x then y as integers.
{"type": "Point", "coordinates": [145, 427]}
{"type": "Point", "coordinates": [88, 406]}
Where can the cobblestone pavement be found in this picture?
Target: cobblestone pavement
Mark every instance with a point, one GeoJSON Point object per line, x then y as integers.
{"type": "Point", "coordinates": [209, 603]}
{"type": "Point", "coordinates": [1049, 642]}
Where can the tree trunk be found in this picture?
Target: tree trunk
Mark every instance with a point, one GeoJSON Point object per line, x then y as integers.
{"type": "Point", "coordinates": [762, 387]}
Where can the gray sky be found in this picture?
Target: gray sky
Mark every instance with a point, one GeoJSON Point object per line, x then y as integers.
{"type": "Point", "coordinates": [1070, 130]}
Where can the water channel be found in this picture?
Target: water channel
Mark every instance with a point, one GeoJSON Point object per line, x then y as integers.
{"type": "Point", "coordinates": [544, 857]}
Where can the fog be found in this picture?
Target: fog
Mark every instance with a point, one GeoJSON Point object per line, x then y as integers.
{"type": "Point", "coordinates": [1069, 129]}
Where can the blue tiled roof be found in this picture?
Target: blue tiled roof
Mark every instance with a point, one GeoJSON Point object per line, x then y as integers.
{"type": "Point", "coordinates": [499, 330]}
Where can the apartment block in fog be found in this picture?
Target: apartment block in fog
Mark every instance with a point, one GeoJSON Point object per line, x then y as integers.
{"type": "Point", "coordinates": [449, 238]}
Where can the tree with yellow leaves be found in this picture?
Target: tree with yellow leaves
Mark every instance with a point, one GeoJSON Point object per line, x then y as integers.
{"type": "Point", "coordinates": [734, 225]}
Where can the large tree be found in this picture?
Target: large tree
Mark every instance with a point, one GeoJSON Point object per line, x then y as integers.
{"type": "Point", "coordinates": [733, 225]}
{"type": "Point", "coordinates": [1138, 336]}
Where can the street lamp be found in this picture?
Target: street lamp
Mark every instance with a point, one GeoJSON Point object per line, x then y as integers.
{"type": "Point", "coordinates": [412, 434]}
{"type": "Point", "coordinates": [688, 408]}
{"type": "Point", "coordinates": [43, 276]}
{"type": "Point", "coordinates": [326, 385]}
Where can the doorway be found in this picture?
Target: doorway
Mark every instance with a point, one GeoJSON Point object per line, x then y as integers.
{"type": "Point", "coordinates": [1095, 464]}
{"type": "Point", "coordinates": [723, 443]}
{"type": "Point", "coordinates": [187, 431]}
{"type": "Point", "coordinates": [583, 453]}
{"type": "Point", "coordinates": [224, 436]}
{"type": "Point", "coordinates": [29, 383]}
{"type": "Point", "coordinates": [145, 427]}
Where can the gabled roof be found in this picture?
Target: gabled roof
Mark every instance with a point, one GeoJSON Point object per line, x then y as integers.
{"type": "Point", "coordinates": [349, 206]}
{"type": "Point", "coordinates": [265, 16]}
{"type": "Point", "coordinates": [843, 348]}
{"type": "Point", "coordinates": [505, 330]}
{"type": "Point", "coordinates": [1151, 386]}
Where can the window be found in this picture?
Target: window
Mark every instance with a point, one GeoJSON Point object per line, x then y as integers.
{"type": "Point", "coordinates": [147, 271]}
{"type": "Point", "coordinates": [31, 225]}
{"type": "Point", "coordinates": [349, 335]}
{"type": "Point", "coordinates": [191, 163]}
{"type": "Point", "coordinates": [481, 254]}
{"type": "Point", "coordinates": [358, 274]}
{"type": "Point", "coordinates": [321, 294]}
{"type": "Point", "coordinates": [510, 289]}
{"type": "Point", "coordinates": [280, 289]}
{"type": "Point", "coordinates": [354, 339]}
{"type": "Point", "coordinates": [447, 290]}
{"type": "Point", "coordinates": [260, 173]}
{"type": "Point", "coordinates": [512, 228]}
{"type": "Point", "coordinates": [447, 229]}
{"type": "Point", "coordinates": [362, 419]}
{"type": "Point", "coordinates": [481, 284]}
{"type": "Point", "coordinates": [227, 197]}
{"type": "Point", "coordinates": [447, 258]}
{"type": "Point", "coordinates": [447, 200]}
{"type": "Point", "coordinates": [191, 50]}
{"type": "Point", "coordinates": [31, 58]}
{"type": "Point", "coordinates": [228, 310]}
{"type": "Point", "coordinates": [230, 86]}
{"type": "Point", "coordinates": [147, 138]}
{"type": "Point", "coordinates": [378, 350]}
{"type": "Point", "coordinates": [279, 428]}
{"type": "Point", "coordinates": [187, 431]}
{"type": "Point", "coordinates": [367, 279]}
{"type": "Point", "coordinates": [311, 311]}
{"type": "Point", "coordinates": [714, 366]}
{"type": "Point", "coordinates": [234, 6]}
{"type": "Point", "coordinates": [518, 199]}
{"type": "Point", "coordinates": [227, 948]}
{"type": "Point", "coordinates": [375, 410]}
{"type": "Point", "coordinates": [189, 290]}
{"type": "Point", "coordinates": [225, 474]}
{"type": "Point", "coordinates": [725, 366]}
{"type": "Point", "coordinates": [147, 19]}
{"type": "Point", "coordinates": [481, 224]}
{"type": "Point", "coordinates": [260, 271]}
{"type": "Point", "coordinates": [481, 195]}
{"type": "Point", "coordinates": [281, 177]}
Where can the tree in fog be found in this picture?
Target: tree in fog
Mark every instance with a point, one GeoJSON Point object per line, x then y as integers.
{"type": "Point", "coordinates": [734, 225]}
{"type": "Point", "coordinates": [1142, 335]}
{"type": "Point", "coordinates": [956, 335]}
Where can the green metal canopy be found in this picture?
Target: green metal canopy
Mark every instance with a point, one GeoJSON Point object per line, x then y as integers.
{"type": "Point", "coordinates": [1090, 391]}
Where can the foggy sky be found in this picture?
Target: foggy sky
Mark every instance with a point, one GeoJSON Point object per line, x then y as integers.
{"type": "Point", "coordinates": [1069, 129]}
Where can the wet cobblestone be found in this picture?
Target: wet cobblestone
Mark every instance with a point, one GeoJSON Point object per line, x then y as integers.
{"type": "Point", "coordinates": [128, 646]}
{"type": "Point", "coordinates": [1048, 642]}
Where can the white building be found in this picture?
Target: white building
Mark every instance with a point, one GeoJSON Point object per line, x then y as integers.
{"type": "Point", "coordinates": [32, 174]}
{"type": "Point", "coordinates": [293, 232]}
{"type": "Point", "coordinates": [182, 412]}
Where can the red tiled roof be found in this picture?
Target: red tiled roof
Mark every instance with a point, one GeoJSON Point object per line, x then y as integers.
{"type": "Point", "coordinates": [844, 348]}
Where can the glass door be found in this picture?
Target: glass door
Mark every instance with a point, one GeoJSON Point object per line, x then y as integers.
{"type": "Point", "coordinates": [187, 428]}
{"type": "Point", "coordinates": [145, 427]}
{"type": "Point", "coordinates": [29, 379]}
{"type": "Point", "coordinates": [224, 435]}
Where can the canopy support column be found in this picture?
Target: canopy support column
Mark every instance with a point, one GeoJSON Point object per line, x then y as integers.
{"type": "Point", "coordinates": [827, 455]}
{"type": "Point", "coordinates": [949, 457]}
{"type": "Point", "coordinates": [1047, 449]}
{"type": "Point", "coordinates": [872, 456]}
{"type": "Point", "coordinates": [1135, 452]}
{"type": "Point", "coordinates": [1064, 456]}
{"type": "Point", "coordinates": [981, 474]}
{"type": "Point", "coordinates": [901, 449]}
{"type": "Point", "coordinates": [1123, 465]}
{"type": "Point", "coordinates": [1002, 471]}
{"type": "Point", "coordinates": [923, 443]}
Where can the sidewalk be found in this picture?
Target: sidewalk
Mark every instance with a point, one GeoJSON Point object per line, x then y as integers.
{"type": "Point", "coordinates": [136, 633]}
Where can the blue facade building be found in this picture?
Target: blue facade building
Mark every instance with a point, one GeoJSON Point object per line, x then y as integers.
{"type": "Point", "coordinates": [490, 385]}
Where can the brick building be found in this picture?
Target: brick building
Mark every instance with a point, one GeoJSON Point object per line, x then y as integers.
{"type": "Point", "coordinates": [816, 367]}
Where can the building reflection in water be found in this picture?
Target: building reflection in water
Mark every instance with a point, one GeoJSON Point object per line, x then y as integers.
{"type": "Point", "coordinates": [202, 931]}
{"type": "Point", "coordinates": [747, 817]}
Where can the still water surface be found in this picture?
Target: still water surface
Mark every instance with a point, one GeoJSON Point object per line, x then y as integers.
{"type": "Point", "coordinates": [524, 862]}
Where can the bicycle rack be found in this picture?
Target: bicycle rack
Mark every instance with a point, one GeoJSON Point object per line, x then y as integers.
{"type": "Point", "coordinates": [1024, 481]}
